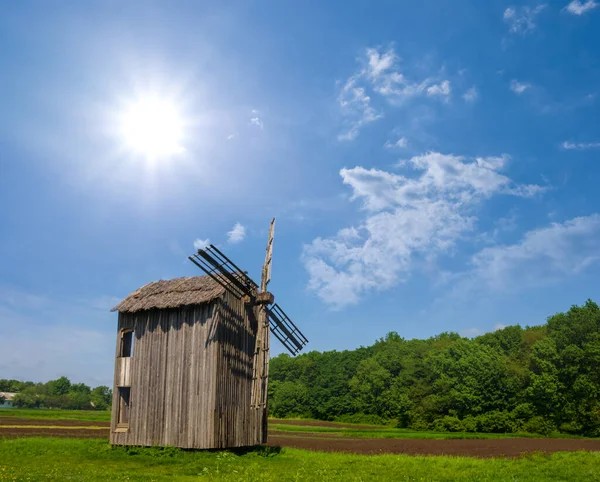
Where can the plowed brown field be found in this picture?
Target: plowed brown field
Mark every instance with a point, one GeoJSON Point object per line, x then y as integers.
{"type": "Point", "coordinates": [52, 432]}
{"type": "Point", "coordinates": [51, 422]}
{"type": "Point", "coordinates": [509, 447]}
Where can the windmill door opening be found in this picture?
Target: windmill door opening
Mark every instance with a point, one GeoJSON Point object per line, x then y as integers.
{"type": "Point", "coordinates": [124, 404]}
{"type": "Point", "coordinates": [127, 344]}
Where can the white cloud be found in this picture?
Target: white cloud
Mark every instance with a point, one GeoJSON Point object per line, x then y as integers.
{"type": "Point", "coordinates": [442, 89]}
{"type": "Point", "coordinates": [257, 122]}
{"type": "Point", "coordinates": [230, 136]}
{"type": "Point", "coordinates": [386, 80]}
{"type": "Point", "coordinates": [543, 255]}
{"type": "Point", "coordinates": [522, 20]}
{"type": "Point", "coordinates": [399, 144]}
{"type": "Point", "coordinates": [356, 105]}
{"type": "Point", "coordinates": [499, 326]}
{"type": "Point", "coordinates": [405, 217]}
{"type": "Point", "coordinates": [584, 145]}
{"type": "Point", "coordinates": [201, 243]}
{"type": "Point", "coordinates": [379, 63]}
{"type": "Point", "coordinates": [518, 87]}
{"type": "Point", "coordinates": [471, 95]}
{"type": "Point", "coordinates": [379, 75]}
{"type": "Point", "coordinates": [237, 234]}
{"type": "Point", "coordinates": [576, 7]}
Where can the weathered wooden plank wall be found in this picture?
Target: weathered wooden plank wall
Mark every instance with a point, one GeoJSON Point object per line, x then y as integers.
{"type": "Point", "coordinates": [237, 423]}
{"type": "Point", "coordinates": [123, 372]}
{"type": "Point", "coordinates": [172, 374]}
{"type": "Point", "coordinates": [190, 377]}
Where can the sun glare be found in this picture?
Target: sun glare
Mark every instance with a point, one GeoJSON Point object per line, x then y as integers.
{"type": "Point", "coordinates": [153, 127]}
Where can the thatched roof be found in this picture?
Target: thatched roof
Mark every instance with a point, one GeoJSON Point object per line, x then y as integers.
{"type": "Point", "coordinates": [172, 293]}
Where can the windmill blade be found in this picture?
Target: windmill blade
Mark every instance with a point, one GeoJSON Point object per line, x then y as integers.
{"type": "Point", "coordinates": [266, 271]}
{"type": "Point", "coordinates": [224, 271]}
{"type": "Point", "coordinates": [284, 330]}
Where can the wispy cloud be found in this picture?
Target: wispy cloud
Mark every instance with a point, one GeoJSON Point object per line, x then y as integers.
{"type": "Point", "coordinates": [257, 122]}
{"type": "Point", "coordinates": [518, 87]}
{"type": "Point", "coordinates": [542, 256]}
{"type": "Point", "coordinates": [576, 7]}
{"type": "Point", "coordinates": [580, 145]}
{"type": "Point", "coordinates": [201, 243]}
{"type": "Point", "coordinates": [471, 95]}
{"type": "Point", "coordinates": [237, 234]}
{"type": "Point", "coordinates": [387, 80]}
{"type": "Point", "coordinates": [356, 106]}
{"type": "Point", "coordinates": [521, 20]}
{"type": "Point", "coordinates": [441, 89]}
{"type": "Point", "coordinates": [405, 217]}
{"type": "Point", "coordinates": [401, 143]}
{"type": "Point", "coordinates": [501, 225]}
{"type": "Point", "coordinates": [379, 75]}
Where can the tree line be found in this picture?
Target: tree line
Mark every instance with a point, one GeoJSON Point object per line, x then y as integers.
{"type": "Point", "coordinates": [59, 393]}
{"type": "Point", "coordinates": [538, 379]}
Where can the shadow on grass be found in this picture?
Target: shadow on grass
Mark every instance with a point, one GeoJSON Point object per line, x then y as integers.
{"type": "Point", "coordinates": [260, 450]}
{"type": "Point", "coordinates": [172, 452]}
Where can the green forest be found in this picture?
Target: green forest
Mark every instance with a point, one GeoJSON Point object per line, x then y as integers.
{"type": "Point", "coordinates": [538, 379]}
{"type": "Point", "coordinates": [59, 393]}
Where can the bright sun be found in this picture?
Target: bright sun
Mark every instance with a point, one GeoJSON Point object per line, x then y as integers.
{"type": "Point", "coordinates": [153, 127]}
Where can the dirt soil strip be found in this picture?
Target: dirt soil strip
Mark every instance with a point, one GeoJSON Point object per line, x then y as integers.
{"type": "Point", "coordinates": [53, 432]}
{"type": "Point", "coordinates": [323, 423]}
{"type": "Point", "coordinates": [51, 422]}
{"type": "Point", "coordinates": [283, 433]}
{"type": "Point", "coordinates": [472, 448]}
{"type": "Point", "coordinates": [513, 447]}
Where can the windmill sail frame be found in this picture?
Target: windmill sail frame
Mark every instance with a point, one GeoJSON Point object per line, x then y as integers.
{"type": "Point", "coordinates": [224, 271]}
{"type": "Point", "coordinates": [271, 318]}
{"type": "Point", "coordinates": [285, 330]}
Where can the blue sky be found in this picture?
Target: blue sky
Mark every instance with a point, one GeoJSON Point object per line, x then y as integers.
{"type": "Point", "coordinates": [432, 165]}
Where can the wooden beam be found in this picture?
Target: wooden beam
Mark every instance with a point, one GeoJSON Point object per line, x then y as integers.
{"type": "Point", "coordinates": [264, 298]}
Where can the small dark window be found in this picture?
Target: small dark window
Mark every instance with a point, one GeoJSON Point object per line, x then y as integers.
{"type": "Point", "coordinates": [127, 343]}
{"type": "Point", "coordinates": [124, 393]}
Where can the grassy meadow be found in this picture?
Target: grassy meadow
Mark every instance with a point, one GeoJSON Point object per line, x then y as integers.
{"type": "Point", "coordinates": [45, 458]}
{"type": "Point", "coordinates": [36, 459]}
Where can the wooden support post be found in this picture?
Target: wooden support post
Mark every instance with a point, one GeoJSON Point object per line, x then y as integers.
{"type": "Point", "coordinates": [260, 379]}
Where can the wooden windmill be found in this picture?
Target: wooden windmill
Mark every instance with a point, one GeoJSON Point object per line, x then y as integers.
{"type": "Point", "coordinates": [198, 375]}
{"type": "Point", "coordinates": [270, 316]}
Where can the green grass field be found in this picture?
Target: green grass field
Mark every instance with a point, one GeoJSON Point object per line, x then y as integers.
{"type": "Point", "coordinates": [33, 459]}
